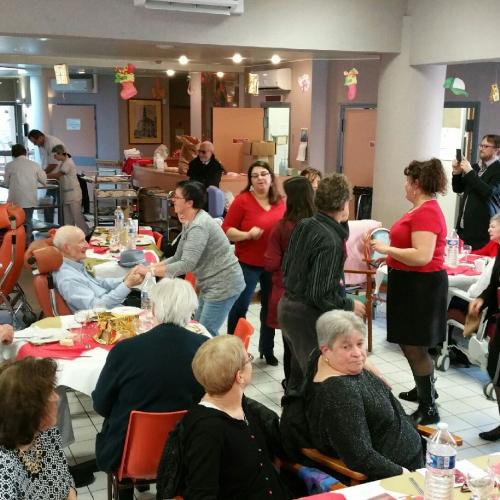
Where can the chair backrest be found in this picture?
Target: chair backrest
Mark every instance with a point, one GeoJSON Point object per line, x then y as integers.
{"type": "Point", "coordinates": [216, 201]}
{"type": "Point", "coordinates": [43, 259]}
{"type": "Point", "coordinates": [244, 330]}
{"type": "Point", "coordinates": [372, 257]}
{"type": "Point", "coordinates": [158, 239]}
{"type": "Point", "coordinates": [355, 248]}
{"type": "Point", "coordinates": [144, 443]}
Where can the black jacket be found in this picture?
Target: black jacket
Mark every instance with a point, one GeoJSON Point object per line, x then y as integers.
{"type": "Point", "coordinates": [481, 197]}
{"type": "Point", "coordinates": [150, 372]}
{"type": "Point", "coordinates": [209, 174]}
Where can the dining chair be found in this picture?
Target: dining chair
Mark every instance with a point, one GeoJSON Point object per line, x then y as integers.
{"type": "Point", "coordinates": [339, 466]}
{"type": "Point", "coordinates": [146, 436]}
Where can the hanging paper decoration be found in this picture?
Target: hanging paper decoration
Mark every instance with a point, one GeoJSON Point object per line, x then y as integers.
{"type": "Point", "coordinates": [304, 82]}
{"type": "Point", "coordinates": [158, 91]}
{"type": "Point", "coordinates": [189, 91]}
{"type": "Point", "coordinates": [494, 93]}
{"type": "Point", "coordinates": [351, 82]}
{"type": "Point", "coordinates": [456, 86]}
{"type": "Point", "coordinates": [125, 76]}
{"type": "Point", "coordinates": [253, 83]}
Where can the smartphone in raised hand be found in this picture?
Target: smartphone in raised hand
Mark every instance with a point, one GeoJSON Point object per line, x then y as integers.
{"type": "Point", "coordinates": [458, 155]}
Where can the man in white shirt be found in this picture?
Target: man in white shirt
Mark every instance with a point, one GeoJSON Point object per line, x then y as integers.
{"type": "Point", "coordinates": [45, 144]}
{"type": "Point", "coordinates": [22, 177]}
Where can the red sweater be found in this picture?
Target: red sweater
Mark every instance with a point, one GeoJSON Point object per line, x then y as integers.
{"type": "Point", "coordinates": [489, 250]}
{"type": "Point", "coordinates": [244, 213]}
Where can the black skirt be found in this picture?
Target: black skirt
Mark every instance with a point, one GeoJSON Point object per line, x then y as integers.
{"type": "Point", "coordinates": [416, 307]}
{"type": "Point", "coordinates": [494, 357]}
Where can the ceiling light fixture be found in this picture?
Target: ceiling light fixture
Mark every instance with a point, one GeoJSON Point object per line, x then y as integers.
{"type": "Point", "coordinates": [81, 71]}
{"type": "Point", "coordinates": [219, 74]}
{"type": "Point", "coordinates": [237, 58]}
{"type": "Point", "coordinates": [183, 60]}
{"type": "Point", "coordinates": [170, 72]}
{"type": "Point", "coordinates": [43, 39]}
{"type": "Point", "coordinates": [275, 59]}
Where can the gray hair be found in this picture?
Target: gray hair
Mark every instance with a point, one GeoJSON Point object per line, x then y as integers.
{"type": "Point", "coordinates": [65, 235]}
{"type": "Point", "coordinates": [334, 324]}
{"type": "Point", "coordinates": [495, 218]}
{"type": "Point", "coordinates": [174, 301]}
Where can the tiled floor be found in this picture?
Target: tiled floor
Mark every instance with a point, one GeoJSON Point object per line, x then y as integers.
{"type": "Point", "coordinates": [461, 401]}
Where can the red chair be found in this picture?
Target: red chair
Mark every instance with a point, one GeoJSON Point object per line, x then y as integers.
{"type": "Point", "coordinates": [43, 259]}
{"type": "Point", "coordinates": [244, 330]}
{"type": "Point", "coordinates": [144, 443]}
{"type": "Point", "coordinates": [191, 278]}
{"type": "Point", "coordinates": [158, 239]}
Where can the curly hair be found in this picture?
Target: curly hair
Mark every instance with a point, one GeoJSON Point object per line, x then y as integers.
{"type": "Point", "coordinates": [332, 193]}
{"type": "Point", "coordinates": [25, 388]}
{"type": "Point", "coordinates": [430, 175]}
{"type": "Point", "coordinates": [274, 195]}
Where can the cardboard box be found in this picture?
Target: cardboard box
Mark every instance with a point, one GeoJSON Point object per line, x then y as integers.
{"type": "Point", "coordinates": [259, 148]}
{"type": "Point", "coordinates": [249, 159]}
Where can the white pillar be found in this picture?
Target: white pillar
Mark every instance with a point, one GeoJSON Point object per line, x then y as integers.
{"type": "Point", "coordinates": [319, 109]}
{"type": "Point", "coordinates": [38, 116]}
{"type": "Point", "coordinates": [195, 103]}
{"type": "Point", "coordinates": [409, 121]}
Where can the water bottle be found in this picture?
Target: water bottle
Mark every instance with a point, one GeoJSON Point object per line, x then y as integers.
{"type": "Point", "coordinates": [119, 218]}
{"type": "Point", "coordinates": [146, 304]}
{"type": "Point", "coordinates": [440, 464]}
{"type": "Point", "coordinates": [131, 234]}
{"type": "Point", "coordinates": [452, 244]}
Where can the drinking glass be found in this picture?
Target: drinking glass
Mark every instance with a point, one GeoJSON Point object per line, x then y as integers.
{"type": "Point", "coordinates": [466, 250]}
{"type": "Point", "coordinates": [480, 483]}
{"type": "Point", "coordinates": [82, 317]}
{"type": "Point", "coordinates": [114, 241]}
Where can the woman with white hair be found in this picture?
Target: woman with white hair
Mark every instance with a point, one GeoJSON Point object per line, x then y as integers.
{"type": "Point", "coordinates": [352, 413]}
{"type": "Point", "coordinates": [149, 372]}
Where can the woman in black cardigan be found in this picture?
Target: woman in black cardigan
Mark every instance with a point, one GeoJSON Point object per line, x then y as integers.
{"type": "Point", "coordinates": [490, 298]}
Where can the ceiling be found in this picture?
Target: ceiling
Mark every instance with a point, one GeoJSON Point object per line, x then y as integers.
{"type": "Point", "coordinates": [92, 54]}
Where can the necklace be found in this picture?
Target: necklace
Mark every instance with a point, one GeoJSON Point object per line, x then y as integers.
{"type": "Point", "coordinates": [32, 464]}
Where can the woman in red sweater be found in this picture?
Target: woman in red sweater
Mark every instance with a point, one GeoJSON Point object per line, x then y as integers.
{"type": "Point", "coordinates": [249, 221]}
{"type": "Point", "coordinates": [299, 205]}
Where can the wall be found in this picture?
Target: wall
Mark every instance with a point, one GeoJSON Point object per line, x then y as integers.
{"type": "Point", "coordinates": [144, 87]}
{"type": "Point", "coordinates": [357, 25]}
{"type": "Point", "coordinates": [106, 106]}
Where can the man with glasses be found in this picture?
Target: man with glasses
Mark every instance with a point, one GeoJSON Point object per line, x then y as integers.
{"type": "Point", "coordinates": [479, 186]}
{"type": "Point", "coordinates": [205, 168]}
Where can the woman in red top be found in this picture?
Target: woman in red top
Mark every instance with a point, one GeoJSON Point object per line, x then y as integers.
{"type": "Point", "coordinates": [418, 284]}
{"type": "Point", "coordinates": [299, 205]}
{"type": "Point", "coordinates": [249, 221]}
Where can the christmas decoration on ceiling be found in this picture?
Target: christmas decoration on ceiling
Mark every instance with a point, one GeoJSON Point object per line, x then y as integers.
{"type": "Point", "coordinates": [304, 82]}
{"type": "Point", "coordinates": [456, 86]}
{"type": "Point", "coordinates": [494, 93]}
{"type": "Point", "coordinates": [351, 82]}
{"type": "Point", "coordinates": [253, 83]}
{"type": "Point", "coordinates": [125, 76]}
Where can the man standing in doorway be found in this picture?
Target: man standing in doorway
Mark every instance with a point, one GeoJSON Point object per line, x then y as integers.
{"type": "Point", "coordinates": [205, 168]}
{"type": "Point", "coordinates": [479, 185]}
{"type": "Point", "coordinates": [45, 144]}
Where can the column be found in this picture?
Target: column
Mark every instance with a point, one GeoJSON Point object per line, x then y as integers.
{"type": "Point", "coordinates": [409, 121]}
{"type": "Point", "coordinates": [319, 109]}
{"type": "Point", "coordinates": [195, 103]}
{"type": "Point", "coordinates": [38, 113]}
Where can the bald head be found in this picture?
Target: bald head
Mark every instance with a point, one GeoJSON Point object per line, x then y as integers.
{"type": "Point", "coordinates": [205, 151]}
{"type": "Point", "coordinates": [70, 240]}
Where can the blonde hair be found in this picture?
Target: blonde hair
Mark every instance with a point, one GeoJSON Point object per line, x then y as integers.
{"type": "Point", "coordinates": [174, 301]}
{"type": "Point", "coordinates": [216, 363]}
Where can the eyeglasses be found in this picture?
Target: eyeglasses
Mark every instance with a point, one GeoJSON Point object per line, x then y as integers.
{"type": "Point", "coordinates": [250, 358]}
{"type": "Point", "coordinates": [175, 197]}
{"type": "Point", "coordinates": [485, 146]}
{"type": "Point", "coordinates": [260, 174]}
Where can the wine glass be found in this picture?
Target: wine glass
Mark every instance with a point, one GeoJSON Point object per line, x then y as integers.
{"type": "Point", "coordinates": [480, 483]}
{"type": "Point", "coordinates": [466, 250]}
{"type": "Point", "coordinates": [82, 317]}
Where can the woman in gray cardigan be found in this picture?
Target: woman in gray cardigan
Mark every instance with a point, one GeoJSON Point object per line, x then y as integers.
{"type": "Point", "coordinates": [205, 251]}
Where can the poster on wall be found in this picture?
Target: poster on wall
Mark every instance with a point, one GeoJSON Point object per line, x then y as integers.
{"type": "Point", "coordinates": [144, 121]}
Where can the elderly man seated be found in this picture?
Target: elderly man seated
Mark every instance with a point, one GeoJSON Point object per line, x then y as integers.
{"type": "Point", "coordinates": [80, 289]}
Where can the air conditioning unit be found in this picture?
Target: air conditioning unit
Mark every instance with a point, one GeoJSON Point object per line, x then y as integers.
{"type": "Point", "coordinates": [275, 79]}
{"type": "Point", "coordinates": [78, 84]}
{"type": "Point", "coordinates": [224, 7]}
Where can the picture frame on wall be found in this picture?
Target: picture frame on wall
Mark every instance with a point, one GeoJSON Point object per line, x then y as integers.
{"type": "Point", "coordinates": [144, 121]}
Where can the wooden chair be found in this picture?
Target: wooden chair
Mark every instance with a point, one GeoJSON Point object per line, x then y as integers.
{"type": "Point", "coordinates": [336, 465]}
{"type": "Point", "coordinates": [144, 443]}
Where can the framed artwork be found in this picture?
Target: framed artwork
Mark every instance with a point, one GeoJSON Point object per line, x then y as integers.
{"type": "Point", "coordinates": [144, 121]}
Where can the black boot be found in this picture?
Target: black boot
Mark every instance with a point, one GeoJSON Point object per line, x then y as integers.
{"type": "Point", "coordinates": [427, 412]}
{"type": "Point", "coordinates": [412, 395]}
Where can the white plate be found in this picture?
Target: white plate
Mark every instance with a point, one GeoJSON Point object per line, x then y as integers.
{"type": "Point", "coordinates": [144, 239]}
{"type": "Point", "coordinates": [126, 310]}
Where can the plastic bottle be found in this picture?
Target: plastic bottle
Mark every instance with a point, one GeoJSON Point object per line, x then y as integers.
{"type": "Point", "coordinates": [452, 244]}
{"type": "Point", "coordinates": [119, 218]}
{"type": "Point", "coordinates": [146, 304]}
{"type": "Point", "coordinates": [440, 464]}
{"type": "Point", "coordinates": [131, 234]}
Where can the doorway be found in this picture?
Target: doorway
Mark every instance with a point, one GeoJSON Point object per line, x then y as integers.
{"type": "Point", "coordinates": [277, 129]}
{"type": "Point", "coordinates": [11, 131]}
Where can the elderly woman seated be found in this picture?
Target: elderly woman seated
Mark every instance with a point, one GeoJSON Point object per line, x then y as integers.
{"type": "Point", "coordinates": [32, 461]}
{"type": "Point", "coordinates": [226, 450]}
{"type": "Point", "coordinates": [149, 372]}
{"type": "Point", "coordinates": [351, 413]}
